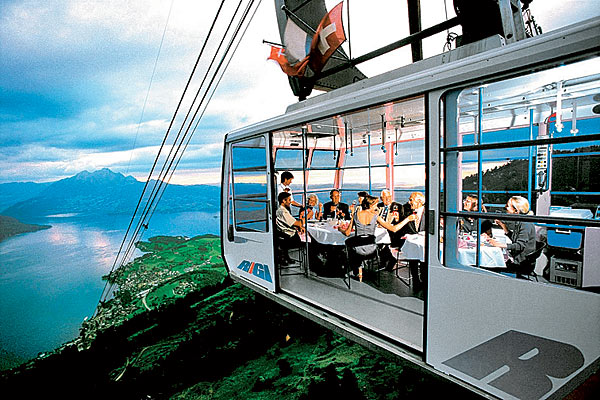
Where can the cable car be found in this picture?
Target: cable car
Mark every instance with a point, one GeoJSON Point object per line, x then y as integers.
{"type": "Point", "coordinates": [472, 121]}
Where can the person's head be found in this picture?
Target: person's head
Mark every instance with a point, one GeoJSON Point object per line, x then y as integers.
{"type": "Point", "coordinates": [312, 200]}
{"type": "Point", "coordinates": [470, 203]}
{"type": "Point", "coordinates": [284, 198]}
{"type": "Point", "coordinates": [369, 202]}
{"type": "Point", "coordinates": [486, 227]}
{"type": "Point", "coordinates": [286, 177]}
{"type": "Point", "coordinates": [361, 196]}
{"type": "Point", "coordinates": [386, 197]}
{"type": "Point", "coordinates": [416, 200]}
{"type": "Point", "coordinates": [517, 205]}
{"type": "Point", "coordinates": [334, 195]}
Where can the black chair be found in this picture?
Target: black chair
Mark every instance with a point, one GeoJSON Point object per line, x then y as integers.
{"type": "Point", "coordinates": [284, 250]}
{"type": "Point", "coordinates": [362, 249]}
{"type": "Point", "coordinates": [527, 267]}
{"type": "Point", "coordinates": [402, 264]}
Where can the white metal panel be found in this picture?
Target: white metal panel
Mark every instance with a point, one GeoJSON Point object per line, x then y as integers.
{"type": "Point", "coordinates": [251, 257]}
{"type": "Point", "coordinates": [591, 258]}
{"type": "Point", "coordinates": [467, 310]}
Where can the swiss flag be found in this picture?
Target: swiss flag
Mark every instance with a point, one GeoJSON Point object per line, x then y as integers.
{"type": "Point", "coordinates": [278, 54]}
{"type": "Point", "coordinates": [329, 36]}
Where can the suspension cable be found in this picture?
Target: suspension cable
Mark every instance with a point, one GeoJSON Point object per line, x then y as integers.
{"type": "Point", "coordinates": [161, 146]}
{"type": "Point", "coordinates": [156, 193]}
{"type": "Point", "coordinates": [208, 101]}
{"type": "Point", "coordinates": [161, 177]}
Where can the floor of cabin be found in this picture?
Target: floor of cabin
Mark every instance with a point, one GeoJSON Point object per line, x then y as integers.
{"type": "Point", "coordinates": [388, 307]}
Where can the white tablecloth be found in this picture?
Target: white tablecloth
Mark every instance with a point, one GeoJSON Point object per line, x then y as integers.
{"type": "Point", "coordinates": [489, 257]}
{"type": "Point", "coordinates": [414, 247]}
{"type": "Point", "coordinates": [326, 233]}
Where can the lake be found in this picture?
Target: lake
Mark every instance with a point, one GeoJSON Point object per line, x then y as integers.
{"type": "Point", "coordinates": [51, 280]}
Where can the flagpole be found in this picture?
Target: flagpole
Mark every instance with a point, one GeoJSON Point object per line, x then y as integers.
{"type": "Point", "coordinates": [349, 42]}
{"type": "Point", "coordinates": [274, 44]}
{"type": "Point", "coordinates": [393, 46]}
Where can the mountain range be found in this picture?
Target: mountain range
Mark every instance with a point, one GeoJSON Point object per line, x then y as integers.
{"type": "Point", "coordinates": [99, 192]}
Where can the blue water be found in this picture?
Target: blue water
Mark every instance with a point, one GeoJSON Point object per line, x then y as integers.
{"type": "Point", "coordinates": [50, 280]}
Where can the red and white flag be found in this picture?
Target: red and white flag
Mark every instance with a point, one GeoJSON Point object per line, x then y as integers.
{"type": "Point", "coordinates": [329, 36]}
{"type": "Point", "coordinates": [278, 54]}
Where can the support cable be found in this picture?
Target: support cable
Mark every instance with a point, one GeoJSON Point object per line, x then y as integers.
{"type": "Point", "coordinates": [157, 193]}
{"type": "Point", "coordinates": [163, 172]}
{"type": "Point", "coordinates": [152, 202]}
{"type": "Point", "coordinates": [214, 88]}
{"type": "Point", "coordinates": [161, 146]}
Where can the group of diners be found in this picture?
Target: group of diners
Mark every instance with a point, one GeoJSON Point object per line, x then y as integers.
{"type": "Point", "coordinates": [522, 234]}
{"type": "Point", "coordinates": [398, 219]}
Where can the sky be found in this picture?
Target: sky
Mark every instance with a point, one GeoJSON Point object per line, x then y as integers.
{"type": "Point", "coordinates": [92, 84]}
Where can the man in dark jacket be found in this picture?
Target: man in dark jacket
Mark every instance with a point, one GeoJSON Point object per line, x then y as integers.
{"type": "Point", "coordinates": [334, 208]}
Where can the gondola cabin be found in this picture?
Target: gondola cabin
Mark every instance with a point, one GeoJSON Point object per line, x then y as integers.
{"type": "Point", "coordinates": [489, 120]}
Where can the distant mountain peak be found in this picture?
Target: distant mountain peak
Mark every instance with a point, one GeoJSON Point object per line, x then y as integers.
{"type": "Point", "coordinates": [100, 176]}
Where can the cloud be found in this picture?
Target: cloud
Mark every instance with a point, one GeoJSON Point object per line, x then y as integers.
{"type": "Point", "coordinates": [79, 88]}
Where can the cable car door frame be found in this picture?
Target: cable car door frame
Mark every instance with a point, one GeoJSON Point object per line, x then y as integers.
{"type": "Point", "coordinates": [249, 246]}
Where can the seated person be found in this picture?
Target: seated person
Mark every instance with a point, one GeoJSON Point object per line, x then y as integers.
{"type": "Point", "coordinates": [412, 222]}
{"type": "Point", "coordinates": [334, 209]}
{"type": "Point", "coordinates": [486, 228]}
{"type": "Point", "coordinates": [287, 228]}
{"type": "Point", "coordinates": [314, 208]}
{"type": "Point", "coordinates": [467, 224]}
{"type": "Point", "coordinates": [284, 186]}
{"type": "Point", "coordinates": [364, 220]}
{"type": "Point", "coordinates": [361, 195]}
{"type": "Point", "coordinates": [389, 211]}
{"type": "Point", "coordinates": [521, 234]}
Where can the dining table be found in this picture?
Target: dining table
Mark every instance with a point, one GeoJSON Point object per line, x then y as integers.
{"type": "Point", "coordinates": [490, 256]}
{"type": "Point", "coordinates": [327, 232]}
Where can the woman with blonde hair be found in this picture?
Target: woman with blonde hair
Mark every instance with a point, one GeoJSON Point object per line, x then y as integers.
{"type": "Point", "coordinates": [521, 233]}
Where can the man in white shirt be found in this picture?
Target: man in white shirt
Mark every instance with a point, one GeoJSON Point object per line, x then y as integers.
{"type": "Point", "coordinates": [287, 228]}
{"type": "Point", "coordinates": [418, 270]}
{"type": "Point", "coordinates": [284, 186]}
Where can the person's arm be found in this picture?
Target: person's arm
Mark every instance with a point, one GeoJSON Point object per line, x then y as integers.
{"type": "Point", "coordinates": [292, 222]}
{"type": "Point", "coordinates": [342, 211]}
{"type": "Point", "coordinates": [299, 225]}
{"type": "Point", "coordinates": [518, 237]}
{"type": "Point", "coordinates": [348, 229]}
{"type": "Point", "coordinates": [319, 213]}
{"type": "Point", "coordinates": [310, 214]}
{"type": "Point", "coordinates": [328, 213]}
{"type": "Point", "coordinates": [397, 227]}
{"type": "Point", "coordinates": [502, 225]}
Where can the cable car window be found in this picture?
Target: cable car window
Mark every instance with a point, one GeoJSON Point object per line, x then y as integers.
{"type": "Point", "coordinates": [288, 159]}
{"type": "Point", "coordinates": [324, 159]}
{"type": "Point", "coordinates": [320, 180]}
{"type": "Point", "coordinates": [249, 176]}
{"type": "Point", "coordinates": [524, 152]}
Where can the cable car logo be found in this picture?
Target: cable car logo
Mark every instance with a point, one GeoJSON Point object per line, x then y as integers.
{"type": "Point", "coordinates": [519, 363]}
{"type": "Point", "coordinates": [259, 270]}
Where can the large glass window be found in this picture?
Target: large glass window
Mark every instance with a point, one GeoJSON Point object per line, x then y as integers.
{"type": "Point", "coordinates": [523, 153]}
{"type": "Point", "coordinates": [370, 149]}
{"type": "Point", "coordinates": [249, 177]}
